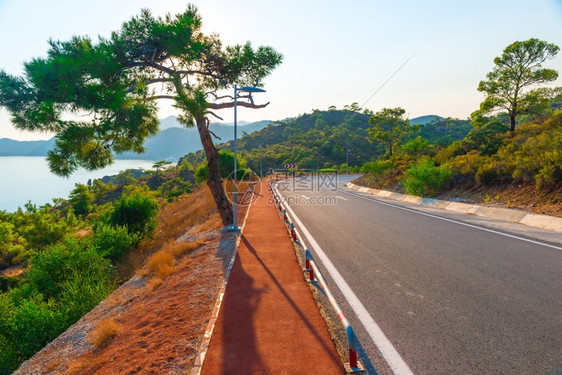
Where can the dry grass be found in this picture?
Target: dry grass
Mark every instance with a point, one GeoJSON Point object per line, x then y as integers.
{"type": "Point", "coordinates": [195, 209]}
{"type": "Point", "coordinates": [180, 248]}
{"type": "Point", "coordinates": [161, 264]}
{"type": "Point", "coordinates": [77, 368]}
{"type": "Point", "coordinates": [103, 332]}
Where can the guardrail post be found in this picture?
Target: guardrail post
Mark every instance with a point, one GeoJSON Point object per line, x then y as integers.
{"type": "Point", "coordinates": [352, 349]}
{"type": "Point", "coordinates": [293, 232]}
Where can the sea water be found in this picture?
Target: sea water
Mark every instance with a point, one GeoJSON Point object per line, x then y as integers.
{"type": "Point", "coordinates": [28, 178]}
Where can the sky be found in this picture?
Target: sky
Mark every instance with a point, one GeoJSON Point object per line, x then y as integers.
{"type": "Point", "coordinates": [334, 54]}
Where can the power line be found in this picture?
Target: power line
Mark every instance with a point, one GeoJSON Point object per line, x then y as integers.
{"type": "Point", "coordinates": [385, 82]}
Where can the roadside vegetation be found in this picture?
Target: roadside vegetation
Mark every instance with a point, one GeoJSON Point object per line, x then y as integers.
{"type": "Point", "coordinates": [515, 140]}
{"type": "Point", "coordinates": [68, 256]}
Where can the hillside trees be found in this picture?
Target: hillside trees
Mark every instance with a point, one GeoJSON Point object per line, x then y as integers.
{"type": "Point", "coordinates": [517, 70]}
{"type": "Point", "coordinates": [389, 126]}
{"type": "Point", "coordinates": [101, 98]}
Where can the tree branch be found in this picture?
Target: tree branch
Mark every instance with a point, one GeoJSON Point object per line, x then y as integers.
{"type": "Point", "coordinates": [167, 70]}
{"type": "Point", "coordinates": [214, 114]}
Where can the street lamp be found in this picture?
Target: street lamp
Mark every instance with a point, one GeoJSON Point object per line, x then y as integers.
{"type": "Point", "coordinates": [261, 165]}
{"type": "Point", "coordinates": [347, 160]}
{"type": "Point", "coordinates": [250, 90]}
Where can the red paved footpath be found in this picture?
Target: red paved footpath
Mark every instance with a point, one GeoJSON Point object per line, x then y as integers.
{"type": "Point", "coordinates": [269, 322]}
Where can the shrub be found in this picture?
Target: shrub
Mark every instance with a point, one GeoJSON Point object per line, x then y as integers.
{"type": "Point", "coordinates": [81, 199]}
{"type": "Point", "coordinates": [425, 179]}
{"type": "Point", "coordinates": [174, 188]}
{"type": "Point", "coordinates": [416, 147]}
{"type": "Point", "coordinates": [468, 164]}
{"type": "Point", "coordinates": [226, 166]}
{"type": "Point", "coordinates": [11, 248]}
{"type": "Point", "coordinates": [32, 325]}
{"type": "Point", "coordinates": [82, 291]}
{"type": "Point", "coordinates": [137, 212]}
{"type": "Point", "coordinates": [112, 242]}
{"type": "Point", "coordinates": [378, 167]}
{"type": "Point", "coordinates": [51, 268]}
{"type": "Point", "coordinates": [380, 173]}
{"type": "Point", "coordinates": [161, 264]}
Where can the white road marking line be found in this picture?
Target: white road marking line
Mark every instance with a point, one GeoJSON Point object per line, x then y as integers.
{"type": "Point", "coordinates": [388, 351]}
{"type": "Point", "coordinates": [345, 199]}
{"type": "Point", "coordinates": [455, 221]}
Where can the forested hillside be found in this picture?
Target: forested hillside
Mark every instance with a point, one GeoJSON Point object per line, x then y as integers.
{"type": "Point", "coordinates": [320, 139]}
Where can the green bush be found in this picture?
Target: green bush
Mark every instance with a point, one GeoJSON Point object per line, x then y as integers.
{"type": "Point", "coordinates": [11, 245]}
{"type": "Point", "coordinates": [380, 173]}
{"type": "Point", "coordinates": [64, 281]}
{"type": "Point", "coordinates": [82, 291]}
{"type": "Point", "coordinates": [417, 147]}
{"type": "Point", "coordinates": [52, 267]}
{"type": "Point", "coordinates": [378, 167]}
{"type": "Point", "coordinates": [137, 212]}
{"type": "Point", "coordinates": [226, 167]}
{"type": "Point", "coordinates": [112, 242]}
{"type": "Point", "coordinates": [425, 179]}
{"type": "Point", "coordinates": [28, 328]}
{"type": "Point", "coordinates": [81, 199]}
{"type": "Point", "coordinates": [174, 188]}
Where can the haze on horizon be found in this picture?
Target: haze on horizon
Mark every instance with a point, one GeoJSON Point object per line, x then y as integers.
{"type": "Point", "coordinates": [334, 55]}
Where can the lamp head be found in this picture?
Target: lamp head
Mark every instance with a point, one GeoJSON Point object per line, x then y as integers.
{"type": "Point", "coordinates": [251, 89]}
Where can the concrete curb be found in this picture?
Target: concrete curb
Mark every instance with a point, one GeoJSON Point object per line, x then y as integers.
{"type": "Point", "coordinates": [515, 216]}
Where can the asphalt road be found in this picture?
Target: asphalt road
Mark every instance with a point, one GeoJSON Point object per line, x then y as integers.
{"type": "Point", "coordinates": [450, 298]}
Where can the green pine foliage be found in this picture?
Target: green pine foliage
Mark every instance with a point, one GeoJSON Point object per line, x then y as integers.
{"type": "Point", "coordinates": [136, 211]}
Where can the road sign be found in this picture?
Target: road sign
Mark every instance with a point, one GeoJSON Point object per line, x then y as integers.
{"type": "Point", "coordinates": [290, 165]}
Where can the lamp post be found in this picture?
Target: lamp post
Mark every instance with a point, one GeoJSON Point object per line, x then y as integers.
{"type": "Point", "coordinates": [249, 90]}
{"type": "Point", "coordinates": [261, 165]}
{"type": "Point", "coordinates": [347, 160]}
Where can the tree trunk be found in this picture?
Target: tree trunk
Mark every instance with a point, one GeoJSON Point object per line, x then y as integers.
{"type": "Point", "coordinates": [512, 122]}
{"type": "Point", "coordinates": [215, 182]}
{"type": "Point", "coordinates": [512, 114]}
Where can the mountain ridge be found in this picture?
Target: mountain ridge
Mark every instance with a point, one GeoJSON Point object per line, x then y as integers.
{"type": "Point", "coordinates": [172, 141]}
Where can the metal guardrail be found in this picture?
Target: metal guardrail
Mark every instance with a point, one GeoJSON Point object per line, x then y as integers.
{"type": "Point", "coordinates": [316, 275]}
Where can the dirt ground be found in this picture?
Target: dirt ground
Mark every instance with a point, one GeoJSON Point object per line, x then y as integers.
{"type": "Point", "coordinates": [547, 200]}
